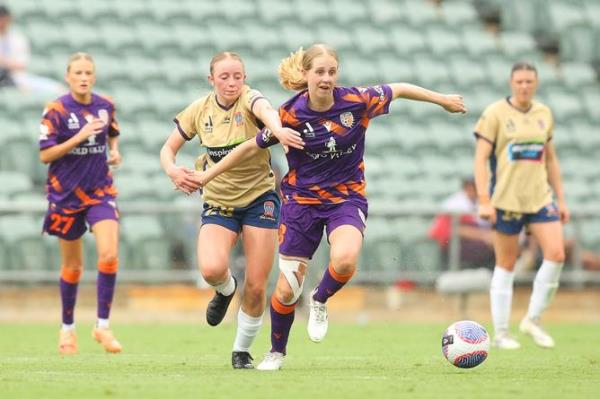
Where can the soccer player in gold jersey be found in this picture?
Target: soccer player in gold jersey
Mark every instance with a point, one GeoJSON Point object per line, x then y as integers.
{"type": "Point", "coordinates": [242, 201]}
{"type": "Point", "coordinates": [515, 135]}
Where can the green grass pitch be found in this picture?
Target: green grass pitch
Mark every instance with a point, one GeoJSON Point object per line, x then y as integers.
{"type": "Point", "coordinates": [370, 361]}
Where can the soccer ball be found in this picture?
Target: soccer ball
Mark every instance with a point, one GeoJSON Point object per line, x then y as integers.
{"type": "Point", "coordinates": [465, 344]}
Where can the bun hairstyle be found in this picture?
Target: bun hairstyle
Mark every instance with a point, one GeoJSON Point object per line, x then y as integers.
{"type": "Point", "coordinates": [291, 69]}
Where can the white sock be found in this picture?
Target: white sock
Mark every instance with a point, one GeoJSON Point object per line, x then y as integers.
{"type": "Point", "coordinates": [102, 323]}
{"type": "Point", "coordinates": [544, 288]}
{"type": "Point", "coordinates": [227, 288]}
{"type": "Point", "coordinates": [501, 290]}
{"type": "Point", "coordinates": [247, 329]}
{"type": "Point", "coordinates": [68, 327]}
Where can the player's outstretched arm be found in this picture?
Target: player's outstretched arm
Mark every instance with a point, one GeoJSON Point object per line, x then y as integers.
{"type": "Point", "coordinates": [181, 176]}
{"type": "Point", "coordinates": [450, 102]}
{"type": "Point", "coordinates": [263, 110]}
{"type": "Point", "coordinates": [57, 151]}
{"type": "Point", "coordinates": [242, 152]}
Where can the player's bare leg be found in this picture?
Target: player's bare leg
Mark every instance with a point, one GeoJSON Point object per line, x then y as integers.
{"type": "Point", "coordinates": [545, 285]}
{"type": "Point", "coordinates": [259, 248]}
{"type": "Point", "coordinates": [215, 243]}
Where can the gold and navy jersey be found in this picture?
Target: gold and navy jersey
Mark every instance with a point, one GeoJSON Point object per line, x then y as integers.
{"type": "Point", "coordinates": [220, 129]}
{"type": "Point", "coordinates": [518, 163]}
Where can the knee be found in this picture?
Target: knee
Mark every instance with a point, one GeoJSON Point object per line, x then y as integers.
{"type": "Point", "coordinates": [108, 256]}
{"type": "Point", "coordinates": [254, 292]}
{"type": "Point", "coordinates": [284, 294]}
{"type": "Point", "coordinates": [556, 255]}
{"type": "Point", "coordinates": [344, 263]}
{"type": "Point", "coordinates": [214, 273]}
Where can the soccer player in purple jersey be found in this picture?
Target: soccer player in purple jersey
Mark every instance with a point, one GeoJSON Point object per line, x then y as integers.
{"type": "Point", "coordinates": [325, 185]}
{"type": "Point", "coordinates": [75, 132]}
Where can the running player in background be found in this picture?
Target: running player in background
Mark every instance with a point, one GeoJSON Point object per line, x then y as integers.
{"type": "Point", "coordinates": [325, 185]}
{"type": "Point", "coordinates": [75, 131]}
{"type": "Point", "coordinates": [515, 135]}
{"type": "Point", "coordinates": [241, 201]}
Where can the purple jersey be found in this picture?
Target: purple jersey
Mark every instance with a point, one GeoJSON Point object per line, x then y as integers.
{"type": "Point", "coordinates": [80, 178]}
{"type": "Point", "coordinates": [330, 169]}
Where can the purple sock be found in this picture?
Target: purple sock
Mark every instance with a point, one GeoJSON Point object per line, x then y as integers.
{"type": "Point", "coordinates": [329, 284]}
{"type": "Point", "coordinates": [68, 294]}
{"type": "Point", "coordinates": [280, 326]}
{"type": "Point", "coordinates": [106, 290]}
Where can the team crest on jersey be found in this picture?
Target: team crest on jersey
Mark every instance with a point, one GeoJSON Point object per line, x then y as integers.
{"type": "Point", "coordinates": [347, 119]}
{"type": "Point", "coordinates": [541, 124]}
{"type": "Point", "coordinates": [238, 119]}
{"type": "Point", "coordinates": [73, 122]}
{"type": "Point", "coordinates": [269, 209]}
{"type": "Point", "coordinates": [103, 115]}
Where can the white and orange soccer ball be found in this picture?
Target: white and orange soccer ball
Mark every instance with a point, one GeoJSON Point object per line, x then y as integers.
{"type": "Point", "coordinates": [466, 344]}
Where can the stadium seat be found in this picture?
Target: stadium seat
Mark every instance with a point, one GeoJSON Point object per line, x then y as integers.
{"type": "Point", "coordinates": [294, 36]}
{"type": "Point", "coordinates": [444, 41]}
{"type": "Point", "coordinates": [155, 39]}
{"type": "Point", "coordinates": [134, 187]}
{"type": "Point", "coordinates": [147, 245]}
{"type": "Point", "coordinates": [359, 71]}
{"type": "Point", "coordinates": [422, 14]}
{"type": "Point", "coordinates": [370, 40]}
{"type": "Point", "coordinates": [335, 37]}
{"type": "Point", "coordinates": [27, 249]}
{"type": "Point", "coordinates": [591, 99]}
{"type": "Point", "coordinates": [143, 163]}
{"type": "Point", "coordinates": [12, 183]}
{"type": "Point", "coordinates": [274, 12]}
{"type": "Point", "coordinates": [518, 15]}
{"type": "Point", "coordinates": [478, 43]}
{"type": "Point", "coordinates": [577, 43]}
{"type": "Point", "coordinates": [565, 107]}
{"type": "Point", "coordinates": [96, 11]}
{"type": "Point", "coordinates": [518, 45]}
{"type": "Point", "coordinates": [119, 38]}
{"type": "Point", "coordinates": [430, 72]}
{"type": "Point", "coordinates": [385, 13]}
{"type": "Point", "coordinates": [578, 75]}
{"type": "Point", "coordinates": [392, 68]}
{"type": "Point", "coordinates": [467, 74]}
{"type": "Point", "coordinates": [347, 12]}
{"type": "Point", "coordinates": [408, 42]}
{"type": "Point", "coordinates": [320, 14]}
{"type": "Point", "coordinates": [460, 13]}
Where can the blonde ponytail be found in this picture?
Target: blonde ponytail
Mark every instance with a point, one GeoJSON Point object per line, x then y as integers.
{"type": "Point", "coordinates": [291, 69]}
{"type": "Point", "coordinates": [290, 72]}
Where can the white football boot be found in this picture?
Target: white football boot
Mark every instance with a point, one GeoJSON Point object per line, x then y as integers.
{"type": "Point", "coordinates": [317, 320]}
{"type": "Point", "coordinates": [533, 328]}
{"type": "Point", "coordinates": [503, 340]}
{"type": "Point", "coordinates": [272, 362]}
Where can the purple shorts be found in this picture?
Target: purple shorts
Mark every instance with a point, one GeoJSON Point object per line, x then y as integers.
{"type": "Point", "coordinates": [71, 226]}
{"type": "Point", "coordinates": [301, 226]}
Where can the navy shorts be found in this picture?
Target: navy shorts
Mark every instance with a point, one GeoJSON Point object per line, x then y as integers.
{"type": "Point", "coordinates": [262, 212]}
{"type": "Point", "coordinates": [512, 223]}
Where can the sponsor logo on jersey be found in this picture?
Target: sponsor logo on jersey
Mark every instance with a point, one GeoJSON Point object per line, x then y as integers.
{"type": "Point", "coordinates": [528, 151]}
{"type": "Point", "coordinates": [218, 153]}
{"type": "Point", "coordinates": [332, 151]}
{"type": "Point", "coordinates": [208, 125]}
{"type": "Point", "coordinates": [331, 144]}
{"type": "Point", "coordinates": [73, 122]}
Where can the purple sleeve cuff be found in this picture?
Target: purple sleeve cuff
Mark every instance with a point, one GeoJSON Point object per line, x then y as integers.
{"type": "Point", "coordinates": [265, 139]}
{"type": "Point", "coordinates": [180, 130]}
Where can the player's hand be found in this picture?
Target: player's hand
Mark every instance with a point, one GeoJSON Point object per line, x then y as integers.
{"type": "Point", "coordinates": [454, 103]}
{"type": "Point", "coordinates": [563, 211]}
{"type": "Point", "coordinates": [114, 158]}
{"type": "Point", "coordinates": [201, 178]}
{"type": "Point", "coordinates": [94, 127]}
{"type": "Point", "coordinates": [289, 138]}
{"type": "Point", "coordinates": [183, 179]}
{"type": "Point", "coordinates": [487, 212]}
